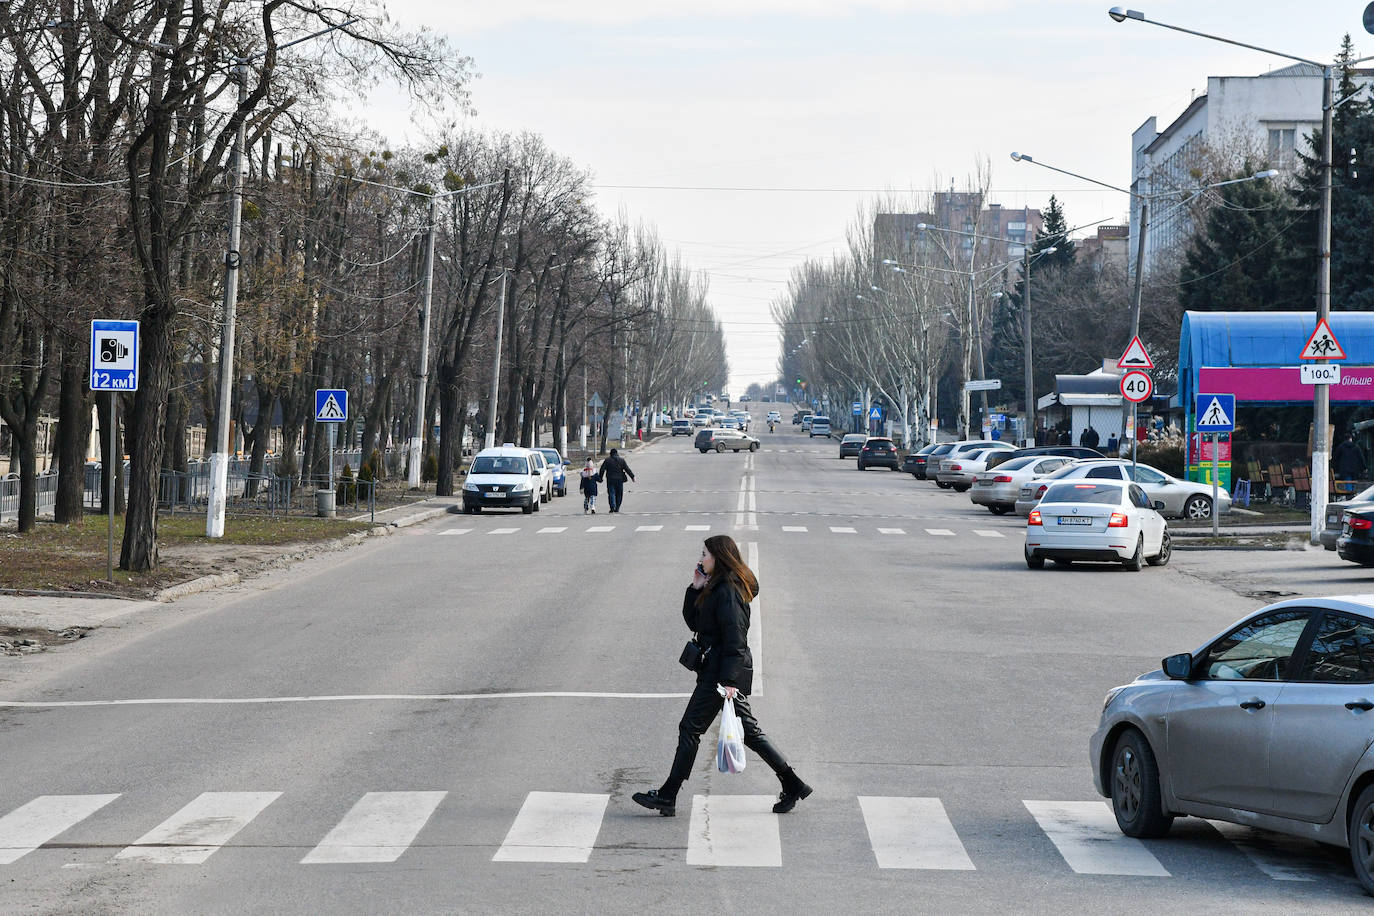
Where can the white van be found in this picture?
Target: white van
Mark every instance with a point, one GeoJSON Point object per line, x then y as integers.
{"type": "Point", "coordinates": [820, 426]}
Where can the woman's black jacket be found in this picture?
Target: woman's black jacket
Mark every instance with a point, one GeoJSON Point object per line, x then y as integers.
{"type": "Point", "coordinates": [721, 623]}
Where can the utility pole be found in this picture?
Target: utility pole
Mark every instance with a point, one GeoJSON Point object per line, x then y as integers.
{"type": "Point", "coordinates": [1321, 398]}
{"type": "Point", "coordinates": [422, 377]}
{"type": "Point", "coordinates": [496, 364]}
{"type": "Point", "coordinates": [1026, 339]}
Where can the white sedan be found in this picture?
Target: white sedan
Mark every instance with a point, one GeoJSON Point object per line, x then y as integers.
{"type": "Point", "coordinates": [1097, 520]}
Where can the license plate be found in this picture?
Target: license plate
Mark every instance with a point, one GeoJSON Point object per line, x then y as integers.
{"type": "Point", "coordinates": [493, 495]}
{"type": "Point", "coordinates": [1074, 520]}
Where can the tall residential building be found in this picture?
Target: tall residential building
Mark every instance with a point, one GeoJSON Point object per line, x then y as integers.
{"type": "Point", "coordinates": [1004, 231]}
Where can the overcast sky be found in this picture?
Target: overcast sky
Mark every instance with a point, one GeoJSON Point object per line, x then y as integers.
{"type": "Point", "coordinates": [751, 130]}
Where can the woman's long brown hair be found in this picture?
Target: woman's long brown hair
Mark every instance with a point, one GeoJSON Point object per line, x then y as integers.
{"type": "Point", "coordinates": [730, 569]}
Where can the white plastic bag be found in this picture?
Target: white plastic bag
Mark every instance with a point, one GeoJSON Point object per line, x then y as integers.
{"type": "Point", "coordinates": [730, 747]}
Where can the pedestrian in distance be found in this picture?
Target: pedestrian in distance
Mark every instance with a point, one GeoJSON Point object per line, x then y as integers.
{"type": "Point", "coordinates": [1089, 439]}
{"type": "Point", "coordinates": [588, 487]}
{"type": "Point", "coordinates": [1112, 445]}
{"type": "Point", "coordinates": [1065, 437]}
{"type": "Point", "coordinates": [1348, 460]}
{"type": "Point", "coordinates": [614, 470]}
{"type": "Point", "coordinates": [716, 609]}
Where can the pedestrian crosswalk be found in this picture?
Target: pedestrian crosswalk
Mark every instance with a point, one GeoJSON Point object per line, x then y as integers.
{"type": "Point", "coordinates": [725, 528]}
{"type": "Point", "coordinates": [722, 831]}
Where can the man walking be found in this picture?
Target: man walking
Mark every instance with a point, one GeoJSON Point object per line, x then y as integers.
{"type": "Point", "coordinates": [614, 470]}
{"type": "Point", "coordinates": [1348, 461]}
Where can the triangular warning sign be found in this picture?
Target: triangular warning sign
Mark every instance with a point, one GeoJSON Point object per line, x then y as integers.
{"type": "Point", "coordinates": [1322, 344]}
{"type": "Point", "coordinates": [1214, 415]}
{"type": "Point", "coordinates": [1135, 357]}
{"type": "Point", "coordinates": [331, 410]}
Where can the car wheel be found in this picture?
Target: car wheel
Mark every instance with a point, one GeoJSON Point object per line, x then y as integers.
{"type": "Point", "coordinates": [1362, 839]}
{"type": "Point", "coordinates": [1166, 548]}
{"type": "Point", "coordinates": [1198, 506]}
{"type": "Point", "coordinates": [753, 446]}
{"type": "Point", "coordinates": [1137, 560]}
{"type": "Point", "coordinates": [860, 466]}
{"type": "Point", "coordinates": [1034, 560]}
{"type": "Point", "coordinates": [1063, 562]}
{"type": "Point", "coordinates": [720, 448]}
{"type": "Point", "coordinates": [527, 509]}
{"type": "Point", "coordinates": [942, 485]}
{"type": "Point", "coordinates": [702, 450]}
{"type": "Point", "coordinates": [960, 487]}
{"type": "Point", "coordinates": [915, 475]}
{"type": "Point", "coordinates": [1136, 799]}
{"type": "Point", "coordinates": [999, 508]}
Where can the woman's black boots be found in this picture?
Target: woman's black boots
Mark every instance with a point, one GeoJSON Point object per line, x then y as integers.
{"type": "Point", "coordinates": [793, 791]}
{"type": "Point", "coordinates": [661, 802]}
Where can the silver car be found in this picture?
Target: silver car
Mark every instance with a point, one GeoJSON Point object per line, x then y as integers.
{"type": "Point", "coordinates": [959, 472]}
{"type": "Point", "coordinates": [1267, 725]}
{"type": "Point", "coordinates": [956, 451]}
{"type": "Point", "coordinates": [1181, 498]}
{"type": "Point", "coordinates": [998, 488]}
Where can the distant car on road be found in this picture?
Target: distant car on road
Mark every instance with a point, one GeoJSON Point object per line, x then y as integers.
{"type": "Point", "coordinates": [799, 417]}
{"type": "Point", "coordinates": [504, 477]}
{"type": "Point", "coordinates": [878, 452]}
{"type": "Point", "coordinates": [558, 465]}
{"type": "Point", "coordinates": [774, 416]}
{"type": "Point", "coordinates": [819, 426]}
{"type": "Point", "coordinates": [851, 444]}
{"type": "Point", "coordinates": [719, 440]}
{"type": "Point", "coordinates": [1265, 725]}
{"type": "Point", "coordinates": [682, 427]}
{"type": "Point", "coordinates": [1099, 520]}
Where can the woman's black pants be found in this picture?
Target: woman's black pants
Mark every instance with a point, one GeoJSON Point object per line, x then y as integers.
{"type": "Point", "coordinates": [702, 709]}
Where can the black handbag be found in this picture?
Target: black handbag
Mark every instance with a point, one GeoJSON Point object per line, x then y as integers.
{"type": "Point", "coordinates": [693, 656]}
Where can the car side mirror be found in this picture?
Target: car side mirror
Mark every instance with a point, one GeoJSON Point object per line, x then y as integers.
{"type": "Point", "coordinates": [1178, 667]}
{"type": "Point", "coordinates": [1157, 505]}
{"type": "Point", "coordinates": [567, 463]}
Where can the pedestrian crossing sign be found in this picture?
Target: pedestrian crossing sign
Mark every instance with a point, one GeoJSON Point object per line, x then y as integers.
{"type": "Point", "coordinates": [1322, 344]}
{"type": "Point", "coordinates": [1216, 413]}
{"type": "Point", "coordinates": [331, 405]}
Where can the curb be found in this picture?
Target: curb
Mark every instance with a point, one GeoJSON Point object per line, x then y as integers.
{"type": "Point", "coordinates": [419, 517]}
{"type": "Point", "coordinates": [203, 584]}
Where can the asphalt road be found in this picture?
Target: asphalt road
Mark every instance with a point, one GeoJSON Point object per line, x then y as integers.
{"type": "Point", "coordinates": [452, 719]}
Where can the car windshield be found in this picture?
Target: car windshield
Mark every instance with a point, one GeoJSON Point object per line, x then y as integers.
{"type": "Point", "coordinates": [1016, 464]}
{"type": "Point", "coordinates": [853, 437]}
{"type": "Point", "coordinates": [551, 455]}
{"type": "Point", "coordinates": [878, 443]}
{"type": "Point", "coordinates": [500, 464]}
{"type": "Point", "coordinates": [1101, 493]}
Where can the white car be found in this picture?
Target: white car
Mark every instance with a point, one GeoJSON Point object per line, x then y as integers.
{"type": "Point", "coordinates": [959, 473]}
{"type": "Point", "coordinates": [545, 473]}
{"type": "Point", "coordinates": [959, 450]}
{"type": "Point", "coordinates": [1100, 520]}
{"type": "Point", "coordinates": [1181, 498]}
{"type": "Point", "coordinates": [998, 487]}
{"type": "Point", "coordinates": [503, 478]}
{"type": "Point", "coordinates": [775, 416]}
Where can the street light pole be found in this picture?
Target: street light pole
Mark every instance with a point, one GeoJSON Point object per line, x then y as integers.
{"type": "Point", "coordinates": [1029, 432]}
{"type": "Point", "coordinates": [496, 365]}
{"type": "Point", "coordinates": [421, 421]}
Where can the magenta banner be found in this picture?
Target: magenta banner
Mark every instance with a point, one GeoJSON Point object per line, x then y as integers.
{"type": "Point", "coordinates": [1282, 383]}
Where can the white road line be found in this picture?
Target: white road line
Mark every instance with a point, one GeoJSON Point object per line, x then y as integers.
{"type": "Point", "coordinates": [913, 833]}
{"type": "Point", "coordinates": [456, 531]}
{"type": "Point", "coordinates": [697, 528]}
{"type": "Point", "coordinates": [734, 831]}
{"type": "Point", "coordinates": [192, 835]}
{"type": "Point", "coordinates": [380, 827]}
{"type": "Point", "coordinates": [755, 632]}
{"type": "Point", "coordinates": [842, 530]}
{"type": "Point", "coordinates": [503, 531]}
{"type": "Point", "coordinates": [940, 532]}
{"type": "Point", "coordinates": [988, 533]}
{"type": "Point", "coordinates": [551, 530]}
{"type": "Point", "coordinates": [649, 528]}
{"type": "Point", "coordinates": [1265, 854]}
{"type": "Point", "coordinates": [554, 827]}
{"type": "Point", "coordinates": [794, 528]}
{"type": "Point", "coordinates": [891, 531]}
{"type": "Point", "coordinates": [1086, 835]}
{"type": "Point", "coordinates": [342, 698]}
{"type": "Point", "coordinates": [597, 529]}
{"type": "Point", "coordinates": [29, 826]}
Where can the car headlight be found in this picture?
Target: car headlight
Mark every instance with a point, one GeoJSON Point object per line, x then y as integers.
{"type": "Point", "coordinates": [521, 487]}
{"type": "Point", "coordinates": [471, 487]}
{"type": "Point", "coordinates": [1111, 695]}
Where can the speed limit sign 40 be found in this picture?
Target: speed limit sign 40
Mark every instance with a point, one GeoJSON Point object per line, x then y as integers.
{"type": "Point", "coordinates": [1137, 386]}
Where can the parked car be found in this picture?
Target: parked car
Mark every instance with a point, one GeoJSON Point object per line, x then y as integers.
{"type": "Point", "coordinates": [1097, 520]}
{"type": "Point", "coordinates": [1335, 515]}
{"type": "Point", "coordinates": [1265, 725]}
{"type": "Point", "coordinates": [1181, 498]}
{"type": "Point", "coordinates": [721, 439]}
{"type": "Point", "coordinates": [850, 444]}
{"type": "Point", "coordinates": [800, 415]}
{"type": "Point", "coordinates": [926, 471]}
{"type": "Point", "coordinates": [959, 450]}
{"type": "Point", "coordinates": [682, 427]}
{"type": "Point", "coordinates": [878, 452]}
{"type": "Point", "coordinates": [997, 488]}
{"type": "Point", "coordinates": [806, 422]}
{"type": "Point", "coordinates": [1066, 451]}
{"type": "Point", "coordinates": [504, 477]}
{"type": "Point", "coordinates": [557, 465]}
{"type": "Point", "coordinates": [819, 426]}
{"type": "Point", "coordinates": [959, 473]}
{"type": "Point", "coordinates": [915, 463]}
{"type": "Point", "coordinates": [545, 474]}
{"type": "Point", "coordinates": [1356, 542]}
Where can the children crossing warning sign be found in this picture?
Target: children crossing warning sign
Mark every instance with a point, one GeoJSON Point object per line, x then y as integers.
{"type": "Point", "coordinates": [1322, 344]}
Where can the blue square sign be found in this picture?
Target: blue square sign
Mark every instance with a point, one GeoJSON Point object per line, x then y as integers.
{"type": "Point", "coordinates": [1216, 413]}
{"type": "Point", "coordinates": [331, 405]}
{"type": "Point", "coordinates": [114, 355]}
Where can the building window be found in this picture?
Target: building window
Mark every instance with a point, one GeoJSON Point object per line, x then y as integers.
{"type": "Point", "coordinates": [1016, 224]}
{"type": "Point", "coordinates": [1281, 145]}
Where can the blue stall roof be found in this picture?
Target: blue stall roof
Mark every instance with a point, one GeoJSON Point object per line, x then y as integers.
{"type": "Point", "coordinates": [1262, 339]}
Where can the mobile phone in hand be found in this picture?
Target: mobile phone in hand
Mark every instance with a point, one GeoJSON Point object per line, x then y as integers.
{"type": "Point", "coordinates": [701, 570]}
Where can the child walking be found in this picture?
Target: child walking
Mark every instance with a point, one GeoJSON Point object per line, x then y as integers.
{"type": "Point", "coordinates": [588, 486]}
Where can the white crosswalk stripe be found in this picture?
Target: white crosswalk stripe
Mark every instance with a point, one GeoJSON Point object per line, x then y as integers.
{"type": "Point", "coordinates": [794, 528]}
{"type": "Point", "coordinates": [456, 531]}
{"type": "Point", "coordinates": [552, 530]}
{"type": "Point", "coordinates": [194, 833]}
{"type": "Point", "coordinates": [380, 827]}
{"type": "Point", "coordinates": [1086, 835]}
{"type": "Point", "coordinates": [554, 827]}
{"type": "Point", "coordinates": [697, 528]}
{"type": "Point", "coordinates": [29, 826]}
{"type": "Point", "coordinates": [913, 833]}
{"type": "Point", "coordinates": [598, 529]}
{"type": "Point", "coordinates": [940, 532]}
{"type": "Point", "coordinates": [734, 831]}
{"type": "Point", "coordinates": [503, 531]}
{"type": "Point", "coordinates": [649, 528]}
{"type": "Point", "coordinates": [1264, 853]}
{"type": "Point", "coordinates": [840, 529]}
{"type": "Point", "coordinates": [891, 531]}
{"type": "Point", "coordinates": [988, 533]}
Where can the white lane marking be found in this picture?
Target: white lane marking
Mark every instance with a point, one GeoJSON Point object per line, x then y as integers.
{"type": "Point", "coordinates": [456, 531]}
{"type": "Point", "coordinates": [988, 533]}
{"type": "Point", "coordinates": [194, 833]}
{"type": "Point", "coordinates": [697, 528]}
{"type": "Point", "coordinates": [380, 827]}
{"type": "Point", "coordinates": [31, 825]}
{"type": "Point", "coordinates": [739, 506]}
{"type": "Point", "coordinates": [342, 698]}
{"type": "Point", "coordinates": [734, 831]}
{"type": "Point", "coordinates": [793, 527]}
{"type": "Point", "coordinates": [891, 531]}
{"type": "Point", "coordinates": [554, 827]}
{"type": "Point", "coordinates": [597, 529]}
{"type": "Point", "coordinates": [1086, 835]}
{"type": "Point", "coordinates": [913, 833]}
{"type": "Point", "coordinates": [503, 531]}
{"type": "Point", "coordinates": [649, 528]}
{"type": "Point", "coordinates": [551, 530]}
{"type": "Point", "coordinates": [1265, 854]}
{"type": "Point", "coordinates": [940, 532]}
{"type": "Point", "coordinates": [842, 530]}
{"type": "Point", "coordinates": [755, 632]}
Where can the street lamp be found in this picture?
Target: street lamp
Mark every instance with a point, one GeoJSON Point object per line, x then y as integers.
{"type": "Point", "coordinates": [1321, 406]}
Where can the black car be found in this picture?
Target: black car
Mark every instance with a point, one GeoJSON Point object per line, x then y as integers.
{"type": "Point", "coordinates": [932, 457]}
{"type": "Point", "coordinates": [915, 463]}
{"type": "Point", "coordinates": [797, 417]}
{"type": "Point", "coordinates": [851, 444]}
{"type": "Point", "coordinates": [1067, 451]}
{"type": "Point", "coordinates": [878, 453]}
{"type": "Point", "coordinates": [1356, 542]}
{"type": "Point", "coordinates": [1335, 512]}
